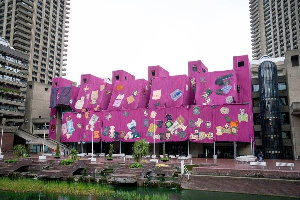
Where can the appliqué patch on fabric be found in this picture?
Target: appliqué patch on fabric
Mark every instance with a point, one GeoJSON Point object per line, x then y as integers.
{"type": "Point", "coordinates": [130, 99]}
{"type": "Point", "coordinates": [126, 114]}
{"type": "Point", "coordinates": [119, 87]}
{"type": "Point", "coordinates": [243, 117]}
{"type": "Point", "coordinates": [224, 110]}
{"type": "Point", "coordinates": [226, 89]}
{"type": "Point", "coordinates": [96, 134]}
{"type": "Point", "coordinates": [156, 94]}
{"type": "Point", "coordinates": [196, 110]}
{"type": "Point", "coordinates": [229, 99]}
{"type": "Point", "coordinates": [79, 103]}
{"type": "Point", "coordinates": [102, 87]}
{"type": "Point", "coordinates": [176, 95]}
{"type": "Point", "coordinates": [108, 116]}
{"type": "Point", "coordinates": [153, 114]}
{"type": "Point", "coordinates": [135, 93]}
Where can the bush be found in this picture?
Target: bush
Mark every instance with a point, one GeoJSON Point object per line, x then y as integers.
{"type": "Point", "coordinates": [140, 148]}
{"type": "Point", "coordinates": [67, 162]}
{"type": "Point", "coordinates": [20, 151]}
{"type": "Point", "coordinates": [11, 161]}
{"type": "Point", "coordinates": [136, 165]}
{"type": "Point", "coordinates": [73, 154]}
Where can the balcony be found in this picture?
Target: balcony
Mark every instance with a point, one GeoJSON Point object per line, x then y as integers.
{"type": "Point", "coordinates": [10, 129]}
{"type": "Point", "coordinates": [295, 108]}
{"type": "Point", "coordinates": [40, 132]}
{"type": "Point", "coordinates": [9, 102]}
{"type": "Point", "coordinates": [11, 83]}
{"type": "Point", "coordinates": [12, 92]}
{"type": "Point", "coordinates": [19, 75]}
{"type": "Point", "coordinates": [12, 113]}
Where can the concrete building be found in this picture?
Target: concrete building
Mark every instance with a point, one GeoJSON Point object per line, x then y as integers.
{"type": "Point", "coordinates": [13, 81]}
{"type": "Point", "coordinates": [40, 30]}
{"type": "Point", "coordinates": [288, 78]}
{"type": "Point", "coordinates": [274, 27]}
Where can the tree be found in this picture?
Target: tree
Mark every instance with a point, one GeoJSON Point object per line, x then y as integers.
{"type": "Point", "coordinates": [20, 150]}
{"type": "Point", "coordinates": [57, 152]}
{"type": "Point", "coordinates": [140, 148]}
{"type": "Point", "coordinates": [111, 149]}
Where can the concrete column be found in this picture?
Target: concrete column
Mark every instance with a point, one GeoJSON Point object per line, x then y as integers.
{"type": "Point", "coordinates": [234, 149]}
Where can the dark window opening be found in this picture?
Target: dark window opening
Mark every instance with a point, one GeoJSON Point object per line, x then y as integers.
{"type": "Point", "coordinates": [153, 72]}
{"type": "Point", "coordinates": [241, 64]}
{"type": "Point", "coordinates": [286, 135]}
{"type": "Point", "coordinates": [295, 61]}
{"type": "Point", "coordinates": [30, 86]}
{"type": "Point", "coordinates": [284, 118]}
{"type": "Point", "coordinates": [283, 101]}
{"type": "Point", "coordinates": [238, 89]}
{"type": "Point", "coordinates": [255, 88]}
{"type": "Point", "coordinates": [84, 80]}
{"type": "Point", "coordinates": [40, 117]}
{"type": "Point", "coordinates": [257, 118]}
{"type": "Point", "coordinates": [258, 134]}
{"type": "Point", "coordinates": [194, 68]}
{"type": "Point", "coordinates": [203, 70]}
{"type": "Point", "coordinates": [125, 78]}
{"type": "Point", "coordinates": [46, 89]}
{"type": "Point", "coordinates": [117, 77]}
{"type": "Point", "coordinates": [256, 102]}
{"type": "Point", "coordinates": [55, 83]}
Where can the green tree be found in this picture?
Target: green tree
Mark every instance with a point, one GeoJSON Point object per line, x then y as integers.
{"type": "Point", "coordinates": [140, 148]}
{"type": "Point", "coordinates": [20, 151]}
{"type": "Point", "coordinates": [111, 149]}
{"type": "Point", "coordinates": [73, 154]}
{"type": "Point", "coordinates": [57, 152]}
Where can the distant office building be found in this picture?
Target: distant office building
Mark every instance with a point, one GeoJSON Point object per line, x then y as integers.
{"type": "Point", "coordinates": [276, 105]}
{"type": "Point", "coordinates": [13, 79]}
{"type": "Point", "coordinates": [274, 27]}
{"type": "Point", "coordinates": [38, 28]}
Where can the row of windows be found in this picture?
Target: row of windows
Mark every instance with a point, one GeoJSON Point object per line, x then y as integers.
{"type": "Point", "coordinates": [10, 108]}
{"type": "Point", "coordinates": [281, 87]}
{"type": "Point", "coordinates": [11, 59]}
{"type": "Point", "coordinates": [284, 118]}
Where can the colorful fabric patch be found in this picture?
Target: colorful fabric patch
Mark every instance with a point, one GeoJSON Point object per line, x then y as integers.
{"type": "Point", "coordinates": [229, 99]}
{"type": "Point", "coordinates": [119, 87]}
{"type": "Point", "coordinates": [102, 87]}
{"type": "Point", "coordinates": [199, 122]}
{"type": "Point", "coordinates": [243, 117]}
{"type": "Point", "coordinates": [156, 94]}
{"type": "Point", "coordinates": [153, 114]}
{"type": "Point", "coordinates": [108, 116]}
{"type": "Point", "coordinates": [94, 96]}
{"type": "Point", "coordinates": [196, 110]}
{"type": "Point", "coordinates": [130, 99]}
{"type": "Point", "coordinates": [226, 89]}
{"type": "Point", "coordinates": [96, 135]}
{"type": "Point", "coordinates": [224, 110]}
{"type": "Point", "coordinates": [79, 103]}
{"type": "Point", "coordinates": [208, 124]}
{"type": "Point", "coordinates": [125, 113]}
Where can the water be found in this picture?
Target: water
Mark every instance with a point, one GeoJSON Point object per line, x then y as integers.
{"type": "Point", "coordinates": [174, 194]}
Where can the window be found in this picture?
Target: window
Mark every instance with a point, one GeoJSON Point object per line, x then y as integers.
{"type": "Point", "coordinates": [258, 134]}
{"type": "Point", "coordinates": [194, 68]}
{"type": "Point", "coordinates": [281, 86]}
{"type": "Point", "coordinates": [286, 135]}
{"type": "Point", "coordinates": [256, 102]}
{"type": "Point", "coordinates": [255, 88]}
{"type": "Point", "coordinates": [283, 101]}
{"type": "Point", "coordinates": [30, 86]}
{"type": "Point", "coordinates": [84, 80]}
{"type": "Point", "coordinates": [153, 72]}
{"type": "Point", "coordinates": [46, 89]}
{"type": "Point", "coordinates": [295, 61]}
{"type": "Point", "coordinates": [117, 77]}
{"type": "Point", "coordinates": [241, 64]}
{"type": "Point", "coordinates": [284, 118]}
{"type": "Point", "coordinates": [257, 119]}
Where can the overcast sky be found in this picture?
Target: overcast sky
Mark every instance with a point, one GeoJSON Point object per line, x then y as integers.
{"type": "Point", "coordinates": [107, 35]}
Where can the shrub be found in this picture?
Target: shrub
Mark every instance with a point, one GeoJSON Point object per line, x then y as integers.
{"type": "Point", "coordinates": [73, 154]}
{"type": "Point", "coordinates": [20, 151]}
{"type": "Point", "coordinates": [11, 161]}
{"type": "Point", "coordinates": [67, 162]}
{"type": "Point", "coordinates": [140, 148]}
{"type": "Point", "coordinates": [136, 165]}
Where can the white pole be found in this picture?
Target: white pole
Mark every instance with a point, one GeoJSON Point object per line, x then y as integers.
{"type": "Point", "coordinates": [120, 146]}
{"type": "Point", "coordinates": [188, 148]}
{"type": "Point", "coordinates": [92, 144]}
{"type": "Point", "coordinates": [206, 153]}
{"type": "Point", "coordinates": [182, 167]}
{"type": "Point", "coordinates": [154, 139]}
{"type": "Point", "coordinates": [214, 148]}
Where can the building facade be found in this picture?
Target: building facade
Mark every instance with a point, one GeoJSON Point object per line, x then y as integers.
{"type": "Point", "coordinates": [275, 27]}
{"type": "Point", "coordinates": [39, 29]}
{"type": "Point", "coordinates": [275, 114]}
{"type": "Point", "coordinates": [13, 81]}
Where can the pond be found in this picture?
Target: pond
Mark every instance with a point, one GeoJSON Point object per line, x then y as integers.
{"type": "Point", "coordinates": [174, 194]}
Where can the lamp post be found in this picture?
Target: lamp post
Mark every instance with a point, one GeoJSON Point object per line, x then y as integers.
{"type": "Point", "coordinates": [3, 122]}
{"type": "Point", "coordinates": [154, 155]}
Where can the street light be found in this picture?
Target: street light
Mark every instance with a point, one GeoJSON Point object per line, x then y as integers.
{"type": "Point", "coordinates": [3, 122]}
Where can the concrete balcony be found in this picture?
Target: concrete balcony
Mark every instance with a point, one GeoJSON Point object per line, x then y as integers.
{"type": "Point", "coordinates": [5, 71]}
{"type": "Point", "coordinates": [256, 109]}
{"type": "Point", "coordinates": [296, 108]}
{"type": "Point", "coordinates": [11, 83]}
{"type": "Point", "coordinates": [14, 93]}
{"type": "Point", "coordinates": [15, 103]}
{"type": "Point", "coordinates": [10, 129]}
{"type": "Point", "coordinates": [40, 120]}
{"type": "Point", "coordinates": [12, 113]}
{"type": "Point", "coordinates": [40, 132]}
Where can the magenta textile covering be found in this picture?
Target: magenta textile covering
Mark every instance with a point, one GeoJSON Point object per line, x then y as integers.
{"type": "Point", "coordinates": [92, 126]}
{"type": "Point", "coordinates": [121, 75]}
{"type": "Point", "coordinates": [201, 124]}
{"type": "Point", "coordinates": [130, 125]}
{"type": "Point", "coordinates": [61, 82]}
{"type": "Point", "coordinates": [99, 97]}
{"type": "Point", "coordinates": [110, 125]}
{"type": "Point", "coordinates": [129, 95]}
{"type": "Point", "coordinates": [72, 127]}
{"type": "Point", "coordinates": [85, 96]}
{"type": "Point", "coordinates": [216, 88]}
{"type": "Point", "coordinates": [156, 71]}
{"type": "Point", "coordinates": [172, 91]}
{"type": "Point", "coordinates": [90, 79]}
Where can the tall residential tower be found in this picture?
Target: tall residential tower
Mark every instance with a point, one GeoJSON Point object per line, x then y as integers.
{"type": "Point", "coordinates": [275, 27]}
{"type": "Point", "coordinates": [38, 28]}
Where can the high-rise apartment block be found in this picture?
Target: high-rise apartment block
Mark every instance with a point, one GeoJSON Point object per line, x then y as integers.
{"type": "Point", "coordinates": [275, 27]}
{"type": "Point", "coordinates": [38, 28]}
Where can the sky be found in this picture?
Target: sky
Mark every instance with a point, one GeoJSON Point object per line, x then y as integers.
{"type": "Point", "coordinates": [108, 35]}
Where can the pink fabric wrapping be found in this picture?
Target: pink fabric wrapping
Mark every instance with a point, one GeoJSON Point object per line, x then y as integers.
{"type": "Point", "coordinates": [110, 125]}
{"type": "Point", "coordinates": [74, 94]}
{"type": "Point", "coordinates": [156, 71]}
{"type": "Point", "coordinates": [61, 82]}
{"type": "Point", "coordinates": [72, 127]}
{"type": "Point", "coordinates": [90, 79]}
{"type": "Point", "coordinates": [169, 91]}
{"type": "Point", "coordinates": [233, 123]}
{"type": "Point", "coordinates": [129, 95]}
{"type": "Point", "coordinates": [99, 97]}
{"type": "Point", "coordinates": [201, 127]}
{"type": "Point", "coordinates": [149, 127]}
{"type": "Point", "coordinates": [216, 88]}
{"type": "Point", "coordinates": [52, 124]}
{"type": "Point", "coordinates": [122, 76]}
{"type": "Point", "coordinates": [92, 126]}
{"type": "Point", "coordinates": [131, 125]}
{"type": "Point", "coordinates": [83, 98]}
